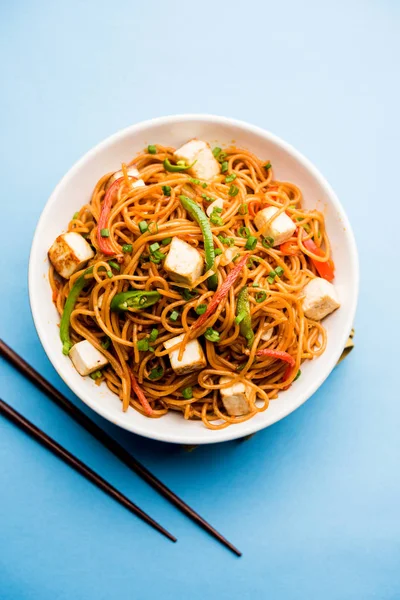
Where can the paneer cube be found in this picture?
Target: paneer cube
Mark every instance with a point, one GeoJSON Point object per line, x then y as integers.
{"type": "Point", "coordinates": [70, 253]}
{"type": "Point", "coordinates": [193, 357]}
{"type": "Point", "coordinates": [86, 358]}
{"type": "Point", "coordinates": [132, 171]}
{"type": "Point", "coordinates": [218, 203]}
{"type": "Point", "coordinates": [320, 299]}
{"type": "Point", "coordinates": [236, 397]}
{"type": "Point", "coordinates": [183, 263]}
{"type": "Point", "coordinates": [206, 166]}
{"type": "Point", "coordinates": [280, 229]}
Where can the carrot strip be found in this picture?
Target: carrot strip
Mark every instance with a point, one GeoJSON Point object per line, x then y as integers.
{"type": "Point", "coordinates": [140, 395]}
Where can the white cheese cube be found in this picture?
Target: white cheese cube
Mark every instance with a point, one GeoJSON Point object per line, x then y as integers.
{"type": "Point", "coordinates": [183, 263]}
{"type": "Point", "coordinates": [218, 203]}
{"type": "Point", "coordinates": [280, 229]}
{"type": "Point", "coordinates": [236, 397]}
{"type": "Point", "coordinates": [132, 171]}
{"type": "Point", "coordinates": [206, 166]}
{"type": "Point", "coordinates": [70, 253]}
{"type": "Point", "coordinates": [193, 357]}
{"type": "Point", "coordinates": [86, 358]}
{"type": "Point", "coordinates": [320, 299]}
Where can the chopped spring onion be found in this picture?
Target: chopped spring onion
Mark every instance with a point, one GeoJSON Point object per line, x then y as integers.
{"type": "Point", "coordinates": [198, 182]}
{"type": "Point", "coordinates": [143, 226]}
{"type": "Point", "coordinates": [174, 316]}
{"type": "Point", "coordinates": [279, 271]}
{"type": "Point", "coordinates": [260, 297]}
{"type": "Point", "coordinates": [216, 151]}
{"type": "Point", "coordinates": [110, 274]}
{"type": "Point", "coordinates": [156, 373]}
{"type": "Point", "coordinates": [224, 166]}
{"type": "Point", "coordinates": [217, 251]}
{"type": "Point", "coordinates": [154, 247]}
{"type": "Point", "coordinates": [251, 243]}
{"type": "Point", "coordinates": [267, 242]}
{"type": "Point", "coordinates": [230, 178]}
{"type": "Point", "coordinates": [76, 215]}
{"type": "Point", "coordinates": [166, 190]}
{"type": "Point", "coordinates": [233, 190]}
{"type": "Point", "coordinates": [152, 149]}
{"type": "Point", "coordinates": [222, 156]}
{"type": "Point", "coordinates": [187, 393]}
{"type": "Point", "coordinates": [127, 248]}
{"type": "Point", "coordinates": [166, 241]}
{"type": "Point", "coordinates": [243, 209]}
{"type": "Point", "coordinates": [153, 335]}
{"type": "Point", "coordinates": [211, 335]}
{"type": "Point", "coordinates": [255, 284]}
{"type": "Point", "coordinates": [201, 309]}
{"type": "Point", "coordinates": [207, 198]}
{"type": "Point", "coordinates": [227, 241]}
{"type": "Point", "coordinates": [96, 374]}
{"type": "Point", "coordinates": [216, 219]}
{"type": "Point", "coordinates": [105, 233]}
{"type": "Point", "coordinates": [143, 345]}
{"type": "Point", "coordinates": [244, 232]}
{"type": "Point", "coordinates": [114, 265]}
{"type": "Point", "coordinates": [267, 166]}
{"type": "Point", "coordinates": [153, 227]}
{"type": "Point", "coordinates": [106, 343]}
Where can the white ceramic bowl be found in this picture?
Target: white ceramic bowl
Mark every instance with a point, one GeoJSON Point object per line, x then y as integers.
{"type": "Point", "coordinates": [75, 189]}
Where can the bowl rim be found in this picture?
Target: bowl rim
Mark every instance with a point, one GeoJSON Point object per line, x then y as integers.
{"type": "Point", "coordinates": [250, 426]}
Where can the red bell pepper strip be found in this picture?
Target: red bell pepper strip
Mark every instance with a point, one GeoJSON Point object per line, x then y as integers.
{"type": "Point", "coordinates": [325, 269]}
{"type": "Point", "coordinates": [289, 248]}
{"type": "Point", "coordinates": [140, 395]}
{"type": "Point", "coordinates": [104, 242]}
{"type": "Point", "coordinates": [221, 293]}
{"type": "Point", "coordinates": [280, 354]}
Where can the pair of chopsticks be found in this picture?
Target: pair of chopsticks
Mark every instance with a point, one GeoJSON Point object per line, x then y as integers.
{"type": "Point", "coordinates": [7, 411]}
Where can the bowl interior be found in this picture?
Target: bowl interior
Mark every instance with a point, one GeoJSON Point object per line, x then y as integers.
{"type": "Point", "coordinates": [75, 189]}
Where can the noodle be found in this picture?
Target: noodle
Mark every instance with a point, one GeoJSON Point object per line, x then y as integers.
{"type": "Point", "coordinates": [275, 303]}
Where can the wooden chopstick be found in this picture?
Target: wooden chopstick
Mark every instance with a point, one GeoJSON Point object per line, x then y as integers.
{"type": "Point", "coordinates": [40, 382]}
{"type": "Point", "coordinates": [40, 436]}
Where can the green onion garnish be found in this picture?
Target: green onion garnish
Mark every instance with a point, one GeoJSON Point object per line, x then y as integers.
{"type": "Point", "coordinates": [217, 251]}
{"type": "Point", "coordinates": [255, 284]}
{"type": "Point", "coordinates": [217, 210]}
{"type": "Point", "coordinates": [153, 227]}
{"type": "Point", "coordinates": [297, 375]}
{"type": "Point", "coordinates": [279, 271]}
{"type": "Point", "coordinates": [233, 190]}
{"type": "Point", "coordinates": [166, 189]}
{"type": "Point", "coordinates": [207, 198]}
{"type": "Point", "coordinates": [174, 316]}
{"type": "Point", "coordinates": [152, 149]}
{"type": "Point", "coordinates": [244, 232]}
{"type": "Point", "coordinates": [230, 177]}
{"type": "Point", "coordinates": [224, 167]}
{"type": "Point", "coordinates": [114, 265]}
{"type": "Point", "coordinates": [156, 373]}
{"type": "Point", "coordinates": [222, 156]}
{"type": "Point", "coordinates": [110, 274]}
{"type": "Point", "coordinates": [267, 242]}
{"type": "Point", "coordinates": [267, 166]}
{"type": "Point", "coordinates": [216, 220]}
{"type": "Point", "coordinates": [143, 345]}
{"type": "Point", "coordinates": [243, 209]}
{"type": "Point", "coordinates": [153, 335]}
{"type": "Point", "coordinates": [216, 151]}
{"type": "Point", "coordinates": [127, 248]}
{"type": "Point", "coordinates": [154, 247]}
{"type": "Point", "coordinates": [211, 335]}
{"type": "Point", "coordinates": [201, 309]}
{"type": "Point", "coordinates": [96, 374]}
{"type": "Point", "coordinates": [251, 243]}
{"type": "Point", "coordinates": [260, 297]}
{"type": "Point", "coordinates": [105, 232]}
{"type": "Point", "coordinates": [227, 241]}
{"type": "Point", "coordinates": [240, 317]}
{"type": "Point", "coordinates": [187, 393]}
{"type": "Point", "coordinates": [143, 226]}
{"type": "Point", "coordinates": [166, 241]}
{"type": "Point", "coordinates": [76, 215]}
{"type": "Point", "coordinates": [106, 343]}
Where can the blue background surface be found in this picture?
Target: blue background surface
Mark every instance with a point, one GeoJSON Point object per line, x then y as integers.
{"type": "Point", "coordinates": [313, 502]}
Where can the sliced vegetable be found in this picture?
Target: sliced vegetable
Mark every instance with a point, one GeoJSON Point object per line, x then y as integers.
{"type": "Point", "coordinates": [152, 149]}
{"type": "Point", "coordinates": [127, 248]}
{"type": "Point", "coordinates": [211, 335]}
{"type": "Point", "coordinates": [224, 166]}
{"type": "Point", "coordinates": [233, 190]}
{"type": "Point", "coordinates": [267, 166]}
{"type": "Point", "coordinates": [143, 345]}
{"type": "Point", "coordinates": [69, 307]}
{"type": "Point", "coordinates": [166, 190]}
{"type": "Point", "coordinates": [230, 178]}
{"type": "Point", "coordinates": [180, 166]}
{"type": "Point", "coordinates": [216, 151]}
{"type": "Point", "coordinates": [135, 299]}
{"type": "Point", "coordinates": [166, 241]}
{"type": "Point", "coordinates": [96, 374]}
{"type": "Point", "coordinates": [174, 316]}
{"type": "Point", "coordinates": [281, 355]}
{"type": "Point", "coordinates": [221, 293]}
{"type": "Point", "coordinates": [243, 209]}
{"type": "Point", "coordinates": [156, 373]}
{"type": "Point", "coordinates": [143, 226]}
{"type": "Point", "coordinates": [244, 232]}
{"type": "Point", "coordinates": [243, 308]}
{"type": "Point", "coordinates": [201, 309]}
{"type": "Point", "coordinates": [140, 395]}
{"type": "Point", "coordinates": [114, 265]}
{"type": "Point", "coordinates": [153, 335]}
{"type": "Point", "coordinates": [102, 226]}
{"type": "Point", "coordinates": [289, 248]}
{"type": "Point", "coordinates": [260, 297]}
{"type": "Point", "coordinates": [200, 217]}
{"type": "Point", "coordinates": [251, 243]}
{"type": "Point", "coordinates": [105, 233]}
{"type": "Point", "coordinates": [267, 242]}
{"type": "Point", "coordinates": [325, 269]}
{"type": "Point", "coordinates": [187, 393]}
